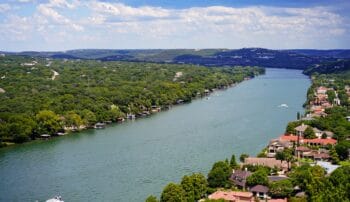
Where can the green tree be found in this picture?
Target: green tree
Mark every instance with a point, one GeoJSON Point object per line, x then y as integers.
{"type": "Point", "coordinates": [219, 175]}
{"type": "Point", "coordinates": [187, 186]}
{"type": "Point", "coordinates": [324, 136]}
{"type": "Point", "coordinates": [285, 155]}
{"type": "Point", "coordinates": [151, 198]}
{"type": "Point", "coordinates": [233, 162]}
{"type": "Point", "coordinates": [242, 157]}
{"type": "Point", "coordinates": [342, 149]}
{"type": "Point", "coordinates": [281, 189]}
{"type": "Point", "coordinates": [259, 177]}
{"type": "Point", "coordinates": [195, 186]}
{"type": "Point", "coordinates": [334, 155]}
{"type": "Point", "coordinates": [309, 133]}
{"type": "Point", "coordinates": [72, 119]}
{"type": "Point", "coordinates": [48, 122]}
{"type": "Point", "coordinates": [173, 193]}
{"type": "Point", "coordinates": [88, 117]}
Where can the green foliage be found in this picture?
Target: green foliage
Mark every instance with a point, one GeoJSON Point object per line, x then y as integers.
{"type": "Point", "coordinates": [305, 174]}
{"type": "Point", "coordinates": [48, 122]}
{"type": "Point", "coordinates": [173, 193]}
{"type": "Point", "coordinates": [309, 133]}
{"type": "Point", "coordinates": [285, 155]}
{"type": "Point", "coordinates": [195, 186]}
{"type": "Point", "coordinates": [290, 127]}
{"type": "Point", "coordinates": [281, 189]}
{"type": "Point", "coordinates": [233, 162]}
{"type": "Point", "coordinates": [334, 156]}
{"type": "Point", "coordinates": [342, 149]}
{"type": "Point", "coordinates": [219, 174]}
{"type": "Point", "coordinates": [87, 91]}
{"type": "Point", "coordinates": [151, 198]}
{"type": "Point", "coordinates": [242, 157]}
{"type": "Point", "coordinates": [259, 177]}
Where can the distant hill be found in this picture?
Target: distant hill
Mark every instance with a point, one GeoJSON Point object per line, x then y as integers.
{"type": "Point", "coordinates": [292, 59]}
{"type": "Point", "coordinates": [329, 67]}
{"type": "Point", "coordinates": [336, 53]}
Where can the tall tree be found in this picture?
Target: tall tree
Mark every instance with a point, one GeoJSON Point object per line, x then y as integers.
{"type": "Point", "coordinates": [233, 162]}
{"type": "Point", "coordinates": [48, 122]}
{"type": "Point", "coordinates": [259, 177]}
{"type": "Point", "coordinates": [219, 175]}
{"type": "Point", "coordinates": [242, 157]}
{"type": "Point", "coordinates": [173, 193]}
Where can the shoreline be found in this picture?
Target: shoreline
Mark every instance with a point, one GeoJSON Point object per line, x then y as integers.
{"type": "Point", "coordinates": [150, 113]}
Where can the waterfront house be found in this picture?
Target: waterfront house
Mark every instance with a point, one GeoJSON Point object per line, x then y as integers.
{"type": "Point", "coordinates": [277, 145]}
{"type": "Point", "coordinates": [311, 142]}
{"type": "Point", "coordinates": [300, 129]}
{"type": "Point", "coordinates": [232, 196]}
{"type": "Point", "coordinates": [269, 162]}
{"type": "Point", "coordinates": [259, 191]}
{"type": "Point", "coordinates": [239, 178]}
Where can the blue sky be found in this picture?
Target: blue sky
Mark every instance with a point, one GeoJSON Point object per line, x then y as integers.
{"type": "Point", "coordinates": [49, 25]}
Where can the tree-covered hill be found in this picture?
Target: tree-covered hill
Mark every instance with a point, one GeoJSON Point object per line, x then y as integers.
{"type": "Point", "coordinates": [291, 59]}
{"type": "Point", "coordinates": [41, 96]}
{"type": "Point", "coordinates": [329, 67]}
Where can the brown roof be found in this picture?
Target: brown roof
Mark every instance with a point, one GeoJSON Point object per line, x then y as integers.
{"type": "Point", "coordinates": [301, 128]}
{"type": "Point", "coordinates": [231, 195]}
{"type": "Point", "coordinates": [269, 162]}
{"type": "Point", "coordinates": [259, 188]}
{"type": "Point", "coordinates": [239, 177]}
{"type": "Point", "coordinates": [303, 149]}
{"type": "Point", "coordinates": [322, 156]}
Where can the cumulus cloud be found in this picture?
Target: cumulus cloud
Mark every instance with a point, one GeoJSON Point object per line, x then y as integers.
{"type": "Point", "coordinates": [4, 8]}
{"type": "Point", "coordinates": [214, 26]}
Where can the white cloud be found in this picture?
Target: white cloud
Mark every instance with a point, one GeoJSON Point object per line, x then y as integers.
{"type": "Point", "coordinates": [124, 11]}
{"type": "Point", "coordinates": [155, 27]}
{"type": "Point", "coordinates": [4, 8]}
{"type": "Point", "coordinates": [48, 11]}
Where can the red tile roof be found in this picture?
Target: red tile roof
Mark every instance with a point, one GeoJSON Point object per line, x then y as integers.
{"type": "Point", "coordinates": [231, 195]}
{"type": "Point", "coordinates": [294, 138]}
{"type": "Point", "coordinates": [321, 141]}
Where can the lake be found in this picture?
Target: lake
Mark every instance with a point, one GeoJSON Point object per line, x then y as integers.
{"type": "Point", "coordinates": [129, 161]}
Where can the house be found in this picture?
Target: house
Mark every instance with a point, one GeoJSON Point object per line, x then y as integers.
{"type": "Point", "coordinates": [317, 132]}
{"type": "Point", "coordinates": [303, 152]}
{"type": "Point", "coordinates": [277, 145]}
{"type": "Point", "coordinates": [259, 191]}
{"type": "Point", "coordinates": [321, 156]}
{"type": "Point", "coordinates": [232, 196]}
{"type": "Point", "coordinates": [239, 177]}
{"type": "Point", "coordinates": [301, 129]}
{"type": "Point", "coordinates": [311, 142]}
{"type": "Point", "coordinates": [269, 162]}
{"type": "Point", "coordinates": [321, 90]}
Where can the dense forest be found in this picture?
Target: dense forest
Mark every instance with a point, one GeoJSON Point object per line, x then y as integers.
{"type": "Point", "coordinates": [340, 66]}
{"type": "Point", "coordinates": [43, 96]}
{"type": "Point", "coordinates": [293, 59]}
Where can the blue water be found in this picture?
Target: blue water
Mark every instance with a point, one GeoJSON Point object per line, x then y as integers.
{"type": "Point", "coordinates": [129, 161]}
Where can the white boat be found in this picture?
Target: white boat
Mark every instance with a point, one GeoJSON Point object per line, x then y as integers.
{"type": "Point", "coordinates": [284, 105]}
{"type": "Point", "coordinates": [55, 199]}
